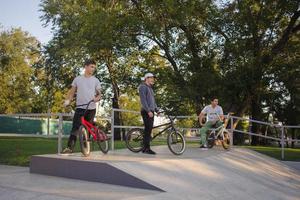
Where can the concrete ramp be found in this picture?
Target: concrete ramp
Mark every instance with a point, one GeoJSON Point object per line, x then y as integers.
{"type": "Point", "coordinates": [213, 174]}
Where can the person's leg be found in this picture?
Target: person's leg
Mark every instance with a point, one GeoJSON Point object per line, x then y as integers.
{"type": "Point", "coordinates": [148, 123]}
{"type": "Point", "coordinates": [150, 127]}
{"type": "Point", "coordinates": [218, 124]}
{"type": "Point", "coordinates": [203, 132]}
{"type": "Point", "coordinates": [75, 126]}
{"type": "Point", "coordinates": [90, 115]}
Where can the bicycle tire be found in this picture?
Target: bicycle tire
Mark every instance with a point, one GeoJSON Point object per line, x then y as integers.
{"type": "Point", "coordinates": [210, 141]}
{"type": "Point", "coordinates": [84, 141]}
{"type": "Point", "coordinates": [102, 141]}
{"type": "Point", "coordinates": [174, 140]}
{"type": "Point", "coordinates": [134, 140]}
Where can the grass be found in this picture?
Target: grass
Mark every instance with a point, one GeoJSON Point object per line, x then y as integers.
{"type": "Point", "coordinates": [18, 150]}
{"type": "Point", "coordinates": [275, 152]}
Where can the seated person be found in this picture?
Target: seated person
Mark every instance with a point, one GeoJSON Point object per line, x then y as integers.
{"type": "Point", "coordinates": [214, 117]}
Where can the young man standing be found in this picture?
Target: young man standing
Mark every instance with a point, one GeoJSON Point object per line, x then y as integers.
{"type": "Point", "coordinates": [214, 117]}
{"type": "Point", "coordinates": [148, 108]}
{"type": "Point", "coordinates": [87, 87]}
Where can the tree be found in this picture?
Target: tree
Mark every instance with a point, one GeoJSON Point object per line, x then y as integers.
{"type": "Point", "coordinates": [92, 29]}
{"type": "Point", "coordinates": [198, 49]}
{"type": "Point", "coordinates": [18, 52]}
{"type": "Point", "coordinates": [254, 34]}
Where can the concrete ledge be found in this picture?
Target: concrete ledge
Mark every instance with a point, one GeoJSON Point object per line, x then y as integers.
{"type": "Point", "coordinates": [86, 170]}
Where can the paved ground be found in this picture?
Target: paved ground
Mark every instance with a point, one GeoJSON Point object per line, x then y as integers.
{"type": "Point", "coordinates": [295, 165]}
{"type": "Point", "coordinates": [214, 174]}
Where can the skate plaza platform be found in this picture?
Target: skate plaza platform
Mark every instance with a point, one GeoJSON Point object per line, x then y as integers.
{"type": "Point", "coordinates": [212, 174]}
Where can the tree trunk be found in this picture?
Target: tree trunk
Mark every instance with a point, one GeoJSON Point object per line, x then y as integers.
{"type": "Point", "coordinates": [117, 119]}
{"type": "Point", "coordinates": [256, 114]}
{"type": "Point", "coordinates": [293, 137]}
{"type": "Point", "coordinates": [108, 57]}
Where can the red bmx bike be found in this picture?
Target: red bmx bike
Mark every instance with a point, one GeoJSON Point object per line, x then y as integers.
{"type": "Point", "coordinates": [89, 132]}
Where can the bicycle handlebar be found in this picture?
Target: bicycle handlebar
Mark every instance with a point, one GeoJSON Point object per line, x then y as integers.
{"type": "Point", "coordinates": [86, 104]}
{"type": "Point", "coordinates": [172, 118]}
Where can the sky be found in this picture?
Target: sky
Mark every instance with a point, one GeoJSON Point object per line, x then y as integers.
{"type": "Point", "coordinates": [26, 15]}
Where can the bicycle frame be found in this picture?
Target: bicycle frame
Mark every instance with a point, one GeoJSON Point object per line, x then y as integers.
{"type": "Point", "coordinates": [167, 126]}
{"type": "Point", "coordinates": [90, 127]}
{"type": "Point", "coordinates": [220, 131]}
{"type": "Point", "coordinates": [221, 128]}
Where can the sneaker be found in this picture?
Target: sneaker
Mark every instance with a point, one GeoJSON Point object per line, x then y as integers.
{"type": "Point", "coordinates": [149, 151]}
{"type": "Point", "coordinates": [145, 148]}
{"type": "Point", "coordinates": [67, 150]}
{"type": "Point", "coordinates": [204, 147]}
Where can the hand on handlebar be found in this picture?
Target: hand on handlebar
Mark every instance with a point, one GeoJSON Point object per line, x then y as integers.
{"type": "Point", "coordinates": [96, 99]}
{"type": "Point", "coordinates": [158, 112]}
{"type": "Point", "coordinates": [66, 102]}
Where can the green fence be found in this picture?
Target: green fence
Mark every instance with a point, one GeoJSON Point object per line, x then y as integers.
{"type": "Point", "coordinates": [27, 125]}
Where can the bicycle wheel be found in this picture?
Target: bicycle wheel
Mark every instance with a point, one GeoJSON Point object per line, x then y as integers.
{"type": "Point", "coordinates": [134, 140]}
{"type": "Point", "coordinates": [84, 141]}
{"type": "Point", "coordinates": [210, 140]}
{"type": "Point", "coordinates": [102, 141]}
{"type": "Point", "coordinates": [226, 140]}
{"type": "Point", "coordinates": [176, 142]}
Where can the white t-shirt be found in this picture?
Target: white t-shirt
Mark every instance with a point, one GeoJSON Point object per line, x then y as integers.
{"type": "Point", "coordinates": [87, 88]}
{"type": "Point", "coordinates": [212, 114]}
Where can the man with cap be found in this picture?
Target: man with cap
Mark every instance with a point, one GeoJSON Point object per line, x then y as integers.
{"type": "Point", "coordinates": [148, 107]}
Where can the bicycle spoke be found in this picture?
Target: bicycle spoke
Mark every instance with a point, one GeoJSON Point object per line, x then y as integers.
{"type": "Point", "coordinates": [134, 140]}
{"type": "Point", "coordinates": [176, 143]}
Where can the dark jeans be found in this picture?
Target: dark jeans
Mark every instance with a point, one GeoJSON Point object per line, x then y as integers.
{"type": "Point", "coordinates": [148, 123]}
{"type": "Point", "coordinates": [89, 116]}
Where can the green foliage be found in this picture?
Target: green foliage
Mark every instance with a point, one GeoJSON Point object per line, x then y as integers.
{"type": "Point", "coordinates": [18, 52]}
{"type": "Point", "coordinates": [244, 52]}
{"type": "Point", "coordinates": [130, 103]}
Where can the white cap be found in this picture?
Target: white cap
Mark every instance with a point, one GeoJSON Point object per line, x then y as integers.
{"type": "Point", "coordinates": [147, 75]}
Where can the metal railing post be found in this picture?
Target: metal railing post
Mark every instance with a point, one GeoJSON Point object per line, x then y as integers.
{"type": "Point", "coordinates": [112, 129]}
{"type": "Point", "coordinates": [48, 123]}
{"type": "Point", "coordinates": [60, 130]}
{"type": "Point", "coordinates": [231, 131]}
{"type": "Point", "coordinates": [282, 142]}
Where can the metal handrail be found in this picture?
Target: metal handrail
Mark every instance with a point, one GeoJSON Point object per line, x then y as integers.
{"type": "Point", "coordinates": [113, 126]}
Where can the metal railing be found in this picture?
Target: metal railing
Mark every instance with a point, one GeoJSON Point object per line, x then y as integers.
{"type": "Point", "coordinates": [47, 116]}
{"type": "Point", "coordinates": [231, 119]}
{"type": "Point", "coordinates": [114, 126]}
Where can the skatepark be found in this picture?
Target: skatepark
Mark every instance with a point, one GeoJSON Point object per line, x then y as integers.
{"type": "Point", "coordinates": [239, 173]}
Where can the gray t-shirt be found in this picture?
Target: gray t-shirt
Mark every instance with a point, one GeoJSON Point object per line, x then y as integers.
{"type": "Point", "coordinates": [212, 114]}
{"type": "Point", "coordinates": [87, 88]}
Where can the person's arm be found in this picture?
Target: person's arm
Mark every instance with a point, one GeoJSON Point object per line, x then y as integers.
{"type": "Point", "coordinates": [98, 96]}
{"type": "Point", "coordinates": [98, 92]}
{"type": "Point", "coordinates": [221, 114]}
{"type": "Point", "coordinates": [222, 117]}
{"type": "Point", "coordinates": [201, 115]}
{"type": "Point", "coordinates": [70, 95]}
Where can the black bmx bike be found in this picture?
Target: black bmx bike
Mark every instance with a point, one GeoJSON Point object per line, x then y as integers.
{"type": "Point", "coordinates": [175, 139]}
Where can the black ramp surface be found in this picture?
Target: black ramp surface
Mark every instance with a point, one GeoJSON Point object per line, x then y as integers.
{"type": "Point", "coordinates": [86, 170]}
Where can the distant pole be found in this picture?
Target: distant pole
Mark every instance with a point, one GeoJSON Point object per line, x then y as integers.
{"type": "Point", "coordinates": [48, 123]}
{"type": "Point", "coordinates": [282, 142]}
{"type": "Point", "coordinates": [112, 132]}
{"type": "Point", "coordinates": [60, 130]}
{"type": "Point", "coordinates": [231, 131]}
